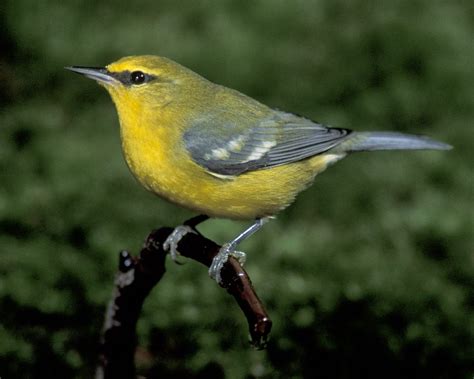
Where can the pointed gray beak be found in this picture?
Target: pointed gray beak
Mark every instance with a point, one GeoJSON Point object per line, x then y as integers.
{"type": "Point", "coordinates": [99, 74]}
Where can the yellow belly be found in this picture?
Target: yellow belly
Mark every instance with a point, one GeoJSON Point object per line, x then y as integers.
{"type": "Point", "coordinates": [157, 158]}
{"type": "Point", "coordinates": [255, 194]}
{"type": "Point", "coordinates": [167, 170]}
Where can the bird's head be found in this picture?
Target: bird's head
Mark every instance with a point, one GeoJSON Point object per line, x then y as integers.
{"type": "Point", "coordinates": [136, 81]}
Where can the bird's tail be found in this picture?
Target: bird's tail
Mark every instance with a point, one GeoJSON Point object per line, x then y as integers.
{"type": "Point", "coordinates": [370, 141]}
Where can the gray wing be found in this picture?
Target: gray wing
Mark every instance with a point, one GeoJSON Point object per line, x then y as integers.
{"type": "Point", "coordinates": [225, 147]}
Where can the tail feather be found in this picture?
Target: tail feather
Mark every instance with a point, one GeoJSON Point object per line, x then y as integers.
{"type": "Point", "coordinates": [370, 141]}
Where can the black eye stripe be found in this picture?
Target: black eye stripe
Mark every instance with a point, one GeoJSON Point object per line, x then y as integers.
{"type": "Point", "coordinates": [128, 78]}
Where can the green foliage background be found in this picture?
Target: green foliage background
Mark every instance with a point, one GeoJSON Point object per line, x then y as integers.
{"type": "Point", "coordinates": [369, 273]}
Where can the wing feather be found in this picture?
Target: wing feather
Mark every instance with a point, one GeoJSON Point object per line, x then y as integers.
{"type": "Point", "coordinates": [226, 148]}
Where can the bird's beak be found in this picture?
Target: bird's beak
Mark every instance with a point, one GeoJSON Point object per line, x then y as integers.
{"type": "Point", "coordinates": [99, 74]}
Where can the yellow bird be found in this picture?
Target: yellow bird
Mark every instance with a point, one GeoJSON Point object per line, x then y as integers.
{"type": "Point", "coordinates": [218, 152]}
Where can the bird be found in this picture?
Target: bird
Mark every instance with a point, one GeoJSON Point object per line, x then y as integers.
{"type": "Point", "coordinates": [218, 152]}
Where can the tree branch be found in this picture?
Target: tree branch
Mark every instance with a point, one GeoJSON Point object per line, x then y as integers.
{"type": "Point", "coordinates": [136, 278]}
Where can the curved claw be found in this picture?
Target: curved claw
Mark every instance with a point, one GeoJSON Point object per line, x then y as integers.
{"type": "Point", "coordinates": [221, 258]}
{"type": "Point", "coordinates": [171, 243]}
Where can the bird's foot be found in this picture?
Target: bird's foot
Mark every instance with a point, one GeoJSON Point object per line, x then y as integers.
{"type": "Point", "coordinates": [171, 243]}
{"type": "Point", "coordinates": [221, 258]}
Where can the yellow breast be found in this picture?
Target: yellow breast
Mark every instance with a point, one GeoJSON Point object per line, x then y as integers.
{"type": "Point", "coordinates": [156, 156]}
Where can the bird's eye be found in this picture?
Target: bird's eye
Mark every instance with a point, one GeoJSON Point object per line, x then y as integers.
{"type": "Point", "coordinates": [137, 77]}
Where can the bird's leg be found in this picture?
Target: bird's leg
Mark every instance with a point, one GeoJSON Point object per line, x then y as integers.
{"type": "Point", "coordinates": [171, 243]}
{"type": "Point", "coordinates": [229, 249]}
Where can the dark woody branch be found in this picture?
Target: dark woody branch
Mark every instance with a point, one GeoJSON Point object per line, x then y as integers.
{"type": "Point", "coordinates": [136, 278]}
